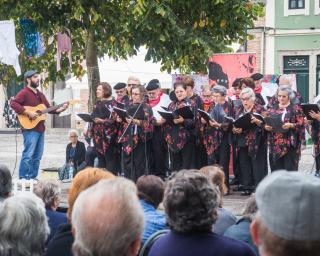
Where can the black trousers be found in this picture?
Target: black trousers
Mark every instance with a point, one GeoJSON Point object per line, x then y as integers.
{"type": "Point", "coordinates": [222, 157]}
{"type": "Point", "coordinates": [110, 160]}
{"type": "Point", "coordinates": [235, 163]}
{"type": "Point", "coordinates": [185, 158]}
{"type": "Point", "coordinates": [159, 154]}
{"type": "Point", "coordinates": [287, 162]}
{"type": "Point", "coordinates": [253, 170]}
{"type": "Point", "coordinates": [137, 163]}
{"type": "Point", "coordinates": [91, 154]}
{"type": "Point", "coordinates": [317, 159]}
{"type": "Point", "coordinates": [201, 156]}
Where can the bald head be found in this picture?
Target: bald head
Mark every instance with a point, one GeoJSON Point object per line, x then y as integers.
{"type": "Point", "coordinates": [108, 219]}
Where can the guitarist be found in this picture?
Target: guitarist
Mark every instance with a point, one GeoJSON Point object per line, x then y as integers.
{"type": "Point", "coordinates": [33, 139]}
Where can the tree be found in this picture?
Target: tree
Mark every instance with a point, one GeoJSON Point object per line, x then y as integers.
{"type": "Point", "coordinates": [178, 33]}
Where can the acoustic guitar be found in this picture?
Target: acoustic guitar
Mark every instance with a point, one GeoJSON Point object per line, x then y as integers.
{"type": "Point", "coordinates": [41, 109]}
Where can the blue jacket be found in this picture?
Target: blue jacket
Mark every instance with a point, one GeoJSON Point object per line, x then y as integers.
{"type": "Point", "coordinates": [241, 231]}
{"type": "Point", "coordinates": [54, 220]}
{"type": "Point", "coordinates": [153, 220]}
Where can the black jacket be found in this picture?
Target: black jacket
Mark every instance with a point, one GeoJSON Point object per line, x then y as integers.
{"type": "Point", "coordinates": [61, 243]}
{"type": "Point", "coordinates": [80, 154]}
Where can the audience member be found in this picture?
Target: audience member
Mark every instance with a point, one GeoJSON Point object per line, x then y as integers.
{"type": "Point", "coordinates": [49, 191]}
{"type": "Point", "coordinates": [5, 182]}
{"type": "Point", "coordinates": [225, 218]}
{"type": "Point", "coordinates": [241, 230]}
{"type": "Point", "coordinates": [287, 221]}
{"type": "Point", "coordinates": [150, 192]}
{"type": "Point", "coordinates": [118, 229]}
{"type": "Point", "coordinates": [75, 151]}
{"type": "Point", "coordinates": [23, 226]}
{"type": "Point", "coordinates": [61, 243]}
{"type": "Point", "coordinates": [191, 203]}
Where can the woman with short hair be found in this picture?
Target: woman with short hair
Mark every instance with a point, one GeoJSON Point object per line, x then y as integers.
{"type": "Point", "coordinates": [251, 143]}
{"type": "Point", "coordinates": [179, 133]}
{"type": "Point", "coordinates": [104, 129]}
{"type": "Point", "coordinates": [217, 133]}
{"type": "Point", "coordinates": [135, 135]}
{"type": "Point", "coordinates": [49, 191]}
{"type": "Point", "coordinates": [285, 145]}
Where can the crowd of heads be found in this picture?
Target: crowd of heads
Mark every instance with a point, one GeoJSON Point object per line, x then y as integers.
{"type": "Point", "coordinates": [107, 218]}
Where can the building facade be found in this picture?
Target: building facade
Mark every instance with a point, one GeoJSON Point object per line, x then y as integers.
{"type": "Point", "coordinates": [292, 42]}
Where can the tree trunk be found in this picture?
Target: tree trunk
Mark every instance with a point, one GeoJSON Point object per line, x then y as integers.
{"type": "Point", "coordinates": [92, 68]}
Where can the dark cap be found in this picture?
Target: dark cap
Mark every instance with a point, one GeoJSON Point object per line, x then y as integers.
{"type": "Point", "coordinates": [153, 84]}
{"type": "Point", "coordinates": [30, 73]}
{"type": "Point", "coordinates": [119, 86]}
{"type": "Point", "coordinates": [256, 76]}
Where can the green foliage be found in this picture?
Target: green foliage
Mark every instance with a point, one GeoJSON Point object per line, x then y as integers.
{"type": "Point", "coordinates": [178, 33]}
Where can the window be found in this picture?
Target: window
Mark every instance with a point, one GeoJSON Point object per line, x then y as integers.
{"type": "Point", "coordinates": [296, 4]}
{"type": "Point", "coordinates": [317, 7]}
{"type": "Point", "coordinates": [297, 7]}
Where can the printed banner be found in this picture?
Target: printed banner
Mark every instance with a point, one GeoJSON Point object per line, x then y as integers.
{"type": "Point", "coordinates": [225, 68]}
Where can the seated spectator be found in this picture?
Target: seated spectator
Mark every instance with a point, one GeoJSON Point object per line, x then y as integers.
{"type": "Point", "coordinates": [49, 192]}
{"type": "Point", "coordinates": [108, 220]}
{"type": "Point", "coordinates": [75, 156]}
{"type": "Point", "coordinates": [5, 182]}
{"type": "Point", "coordinates": [287, 222]}
{"type": "Point", "coordinates": [61, 243]}
{"type": "Point", "coordinates": [191, 203]}
{"type": "Point", "coordinates": [241, 230]}
{"type": "Point", "coordinates": [225, 218]}
{"type": "Point", "coordinates": [150, 192]}
{"type": "Point", "coordinates": [23, 226]}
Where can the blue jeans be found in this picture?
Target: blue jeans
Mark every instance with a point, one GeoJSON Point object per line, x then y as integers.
{"type": "Point", "coordinates": [33, 149]}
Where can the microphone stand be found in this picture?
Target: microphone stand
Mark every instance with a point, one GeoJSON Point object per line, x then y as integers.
{"type": "Point", "coordinates": [129, 126]}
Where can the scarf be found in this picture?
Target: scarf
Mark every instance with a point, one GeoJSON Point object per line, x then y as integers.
{"type": "Point", "coordinates": [155, 102]}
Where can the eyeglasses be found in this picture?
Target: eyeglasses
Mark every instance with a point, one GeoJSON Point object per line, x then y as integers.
{"type": "Point", "coordinates": [135, 93]}
{"type": "Point", "coordinates": [122, 91]}
{"type": "Point", "coordinates": [282, 96]}
{"type": "Point", "coordinates": [206, 96]}
{"type": "Point", "coordinates": [245, 99]}
{"type": "Point", "coordinates": [73, 136]}
{"type": "Point", "coordinates": [133, 84]}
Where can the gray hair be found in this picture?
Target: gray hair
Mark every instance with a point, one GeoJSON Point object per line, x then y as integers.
{"type": "Point", "coordinates": [112, 227]}
{"type": "Point", "coordinates": [48, 191]}
{"type": "Point", "coordinates": [220, 89]}
{"type": "Point", "coordinates": [250, 208]}
{"type": "Point", "coordinates": [5, 181]}
{"type": "Point", "coordinates": [191, 202]}
{"type": "Point", "coordinates": [133, 78]}
{"type": "Point", "coordinates": [248, 91]}
{"type": "Point", "coordinates": [73, 131]}
{"type": "Point", "coordinates": [23, 226]}
{"type": "Point", "coordinates": [288, 90]}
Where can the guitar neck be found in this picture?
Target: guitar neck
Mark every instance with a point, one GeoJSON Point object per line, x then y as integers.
{"type": "Point", "coordinates": [52, 108]}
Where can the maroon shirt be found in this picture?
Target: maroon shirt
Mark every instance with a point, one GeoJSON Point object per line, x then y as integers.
{"type": "Point", "coordinates": [26, 97]}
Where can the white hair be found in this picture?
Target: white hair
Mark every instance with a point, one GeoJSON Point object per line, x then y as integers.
{"type": "Point", "coordinates": [287, 89]}
{"type": "Point", "coordinates": [248, 91]}
{"type": "Point", "coordinates": [23, 226]}
{"type": "Point", "coordinates": [107, 218]}
{"type": "Point", "coordinates": [48, 191]}
{"type": "Point", "coordinates": [133, 78]}
{"type": "Point", "coordinates": [73, 131]}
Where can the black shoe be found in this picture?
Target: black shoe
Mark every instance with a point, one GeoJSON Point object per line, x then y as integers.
{"type": "Point", "coordinates": [317, 174]}
{"type": "Point", "coordinates": [246, 192]}
{"type": "Point", "coordinates": [238, 188]}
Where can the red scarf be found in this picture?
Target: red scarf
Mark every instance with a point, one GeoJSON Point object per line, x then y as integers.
{"type": "Point", "coordinates": [258, 89]}
{"type": "Point", "coordinates": [207, 105]}
{"type": "Point", "coordinates": [155, 102]}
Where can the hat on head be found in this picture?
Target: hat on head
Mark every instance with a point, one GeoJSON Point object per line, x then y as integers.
{"type": "Point", "coordinates": [256, 76]}
{"type": "Point", "coordinates": [153, 84]}
{"type": "Point", "coordinates": [119, 86]}
{"type": "Point", "coordinates": [288, 204]}
{"type": "Point", "coordinates": [30, 73]}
